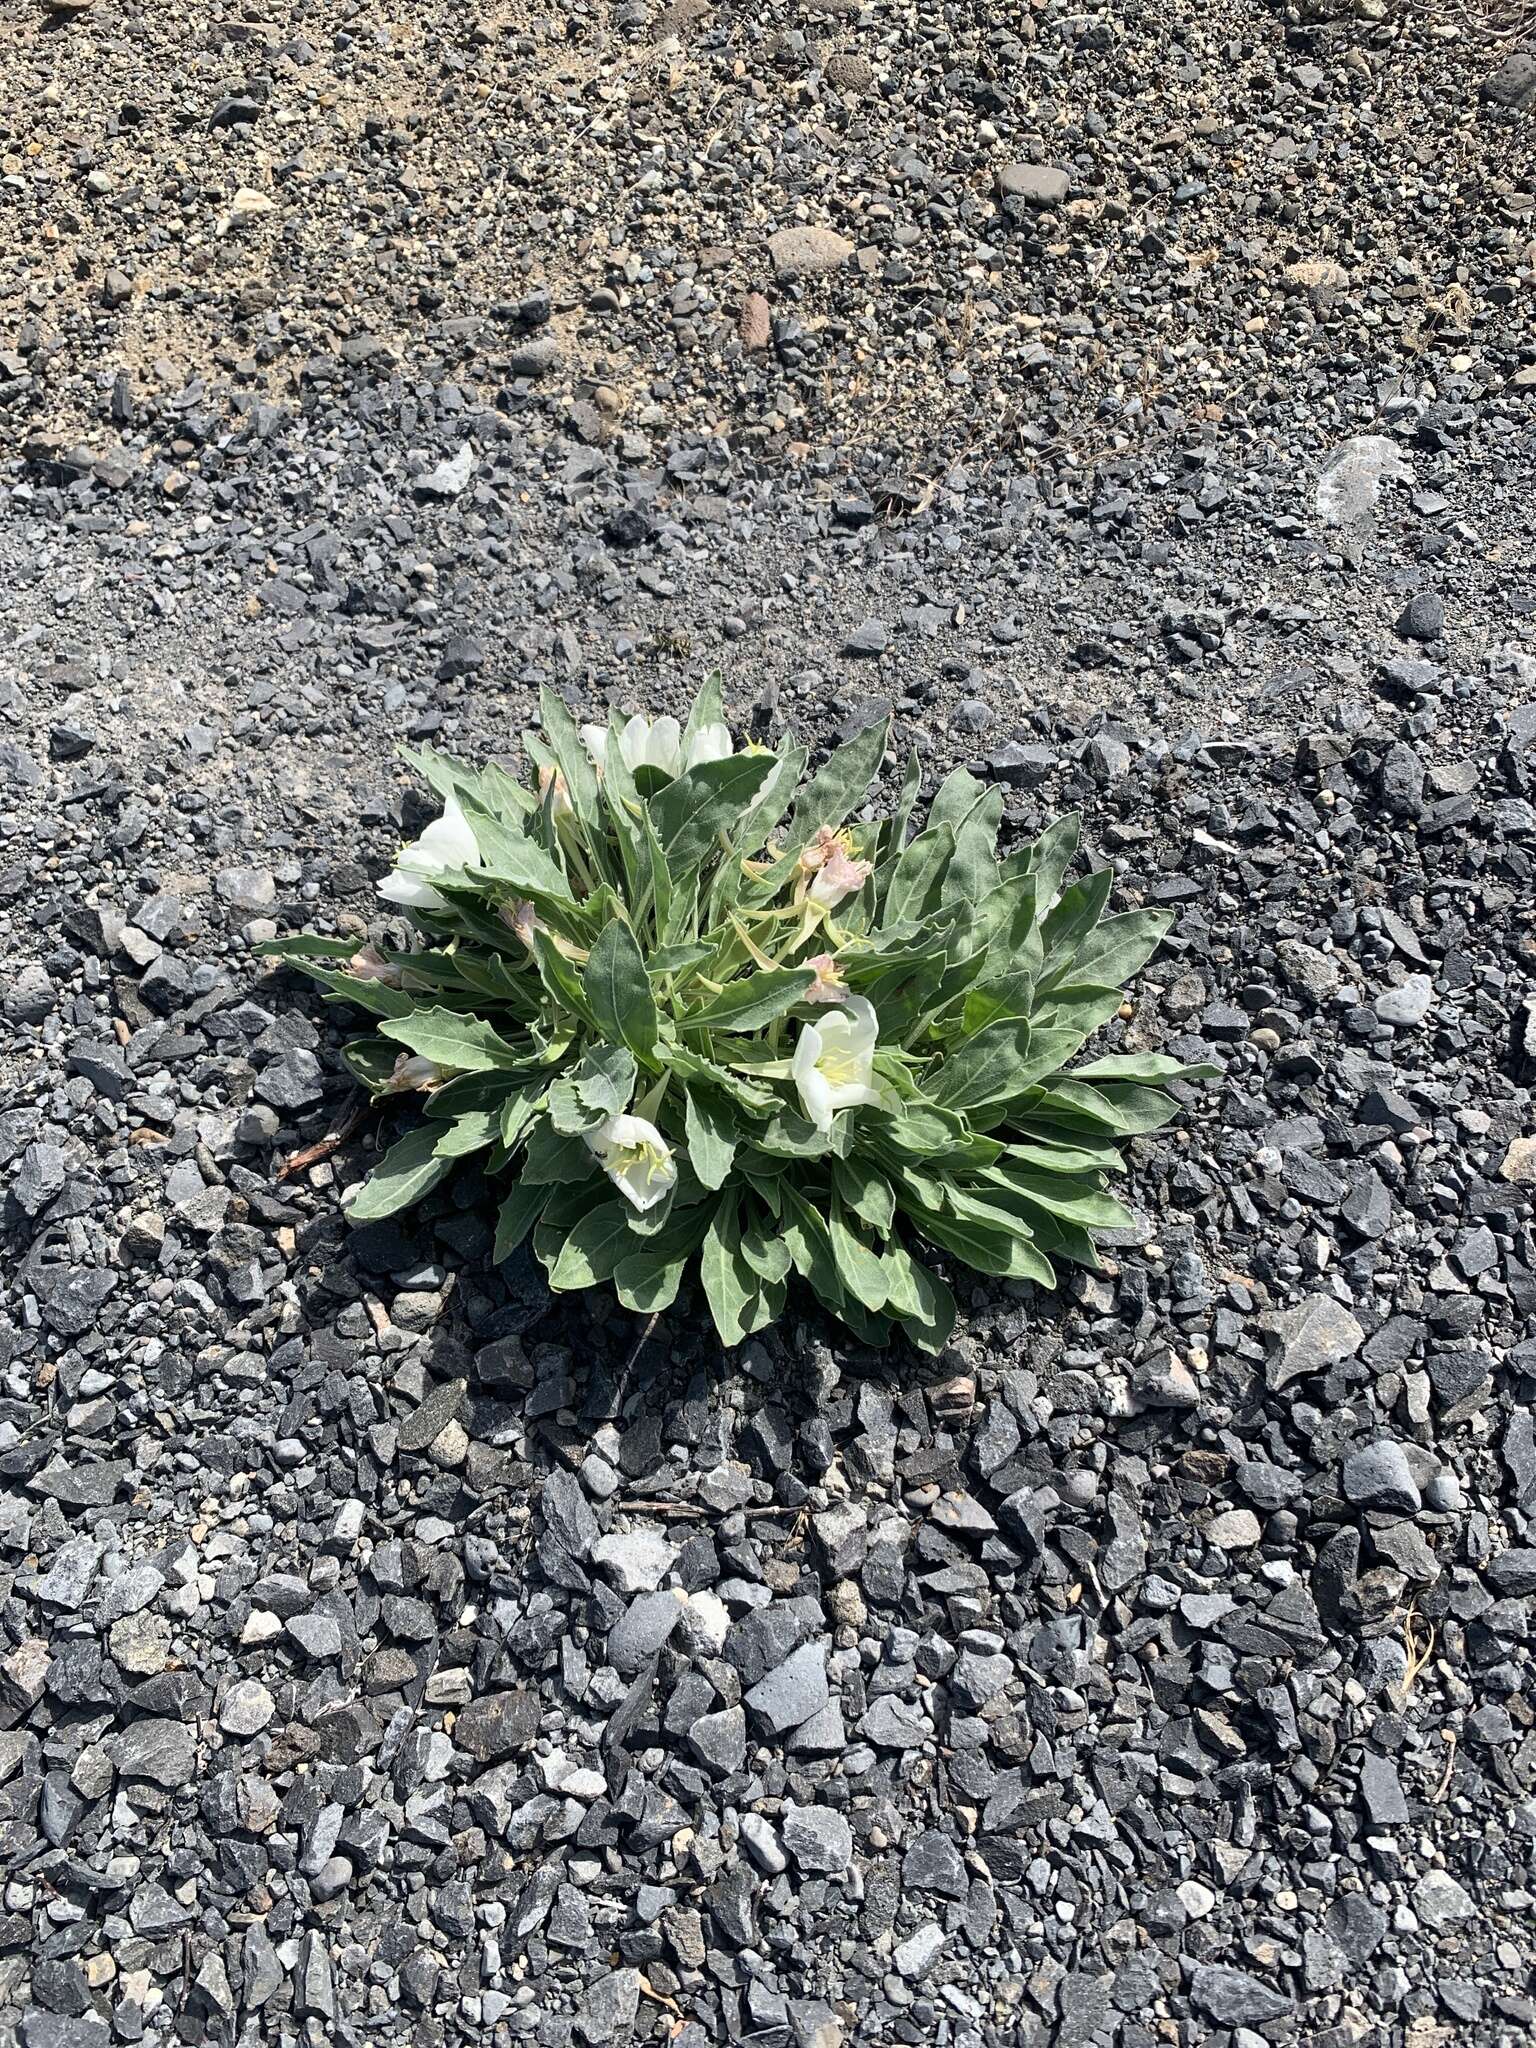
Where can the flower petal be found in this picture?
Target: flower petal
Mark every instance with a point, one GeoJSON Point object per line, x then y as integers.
{"type": "Point", "coordinates": [664, 748]}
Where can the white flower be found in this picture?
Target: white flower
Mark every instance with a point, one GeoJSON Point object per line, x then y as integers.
{"type": "Point", "coordinates": [635, 1157]}
{"type": "Point", "coordinates": [709, 743]}
{"type": "Point", "coordinates": [834, 1061]}
{"type": "Point", "coordinates": [447, 844]}
{"type": "Point", "coordinates": [659, 745]}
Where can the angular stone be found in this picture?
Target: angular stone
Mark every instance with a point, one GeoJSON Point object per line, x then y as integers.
{"type": "Point", "coordinates": [818, 1838]}
{"type": "Point", "coordinates": [1234, 1999]}
{"type": "Point", "coordinates": [794, 1690]}
{"type": "Point", "coordinates": [500, 1724]}
{"type": "Point", "coordinates": [163, 1751]}
{"type": "Point", "coordinates": [1315, 1334]}
{"type": "Point", "coordinates": [1378, 1476]}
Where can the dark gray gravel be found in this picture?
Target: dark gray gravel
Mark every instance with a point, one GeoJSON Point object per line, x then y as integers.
{"type": "Point", "coordinates": [1140, 403]}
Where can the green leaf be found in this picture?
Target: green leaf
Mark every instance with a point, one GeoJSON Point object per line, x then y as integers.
{"type": "Point", "coordinates": [618, 991]}
{"type": "Point", "coordinates": [491, 788]}
{"type": "Point", "coordinates": [955, 799]}
{"type": "Point", "coordinates": [839, 786]}
{"type": "Point", "coordinates": [456, 1039]}
{"type": "Point", "coordinates": [990, 1239]}
{"type": "Point", "coordinates": [767, 807]}
{"type": "Point", "coordinates": [691, 813]}
{"type": "Point", "coordinates": [893, 837]}
{"type": "Point", "coordinates": [1078, 1008]}
{"type": "Point", "coordinates": [1129, 1110]}
{"type": "Point", "coordinates": [1075, 1201]}
{"type": "Point", "coordinates": [520, 863]}
{"type": "Point", "coordinates": [605, 1078]}
{"type": "Point", "coordinates": [730, 1285]}
{"type": "Point", "coordinates": [1076, 912]}
{"type": "Point", "coordinates": [918, 873]}
{"type": "Point", "coordinates": [973, 871]}
{"type": "Point", "coordinates": [570, 1114]}
{"type": "Point", "coordinates": [922, 1305]}
{"type": "Point", "coordinates": [305, 946]}
{"type": "Point", "coordinates": [408, 1170]}
{"type": "Point", "coordinates": [982, 1069]}
{"type": "Point", "coordinates": [376, 997]}
{"type": "Point", "coordinates": [859, 1268]}
{"type": "Point", "coordinates": [1048, 858]}
{"type": "Point", "coordinates": [555, 1157]}
{"type": "Point", "coordinates": [516, 1217]}
{"type": "Point", "coordinates": [810, 1248]}
{"type": "Point", "coordinates": [517, 1112]}
{"type": "Point", "coordinates": [866, 1191]}
{"type": "Point", "coordinates": [560, 979]}
{"type": "Point", "coordinates": [1027, 1148]}
{"type": "Point", "coordinates": [678, 959]}
{"type": "Point", "coordinates": [370, 1060]}
{"type": "Point", "coordinates": [596, 1247]}
{"type": "Point", "coordinates": [710, 1133]}
{"type": "Point", "coordinates": [646, 1284]}
{"type": "Point", "coordinates": [661, 881]}
{"type": "Point", "coordinates": [764, 1249]}
{"type": "Point", "coordinates": [1143, 1066]}
{"type": "Point", "coordinates": [1120, 947]}
{"type": "Point", "coordinates": [754, 1000]}
{"type": "Point", "coordinates": [472, 1132]}
{"type": "Point", "coordinates": [597, 1087]}
{"type": "Point", "coordinates": [706, 708]}
{"type": "Point", "coordinates": [573, 761]}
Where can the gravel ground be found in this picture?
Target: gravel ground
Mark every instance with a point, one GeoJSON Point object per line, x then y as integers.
{"type": "Point", "coordinates": [1142, 403]}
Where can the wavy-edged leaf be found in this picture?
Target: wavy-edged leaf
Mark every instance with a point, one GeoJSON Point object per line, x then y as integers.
{"type": "Point", "coordinates": [752, 1001]}
{"type": "Point", "coordinates": [456, 1039]}
{"type": "Point", "coordinates": [555, 1158]}
{"type": "Point", "coordinates": [919, 873]}
{"type": "Point", "coordinates": [1120, 947]}
{"type": "Point", "coordinates": [597, 1245]}
{"type": "Point", "coordinates": [475, 1131]}
{"type": "Point", "coordinates": [516, 1217]}
{"type": "Point", "coordinates": [858, 1266]}
{"type": "Point", "coordinates": [983, 1069]}
{"type": "Point", "coordinates": [730, 1284]}
{"type": "Point", "coordinates": [410, 1169]}
{"type": "Point", "coordinates": [648, 1284]}
{"type": "Point", "coordinates": [618, 991]}
{"type": "Point", "coordinates": [1154, 1067]}
{"type": "Point", "coordinates": [1075, 913]}
{"type": "Point", "coordinates": [692, 813]}
{"type": "Point", "coordinates": [763, 1248]}
{"type": "Point", "coordinates": [866, 1191]}
{"type": "Point", "coordinates": [839, 785]}
{"type": "Point", "coordinates": [919, 1301]}
{"type": "Point", "coordinates": [710, 1134]}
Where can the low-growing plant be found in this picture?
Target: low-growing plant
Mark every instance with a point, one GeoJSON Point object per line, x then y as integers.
{"type": "Point", "coordinates": [700, 1015]}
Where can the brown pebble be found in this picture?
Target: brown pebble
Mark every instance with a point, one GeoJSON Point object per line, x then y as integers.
{"type": "Point", "coordinates": [756, 322]}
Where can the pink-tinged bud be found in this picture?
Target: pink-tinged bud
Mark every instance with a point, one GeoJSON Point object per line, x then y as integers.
{"type": "Point", "coordinates": [815, 855]}
{"type": "Point", "coordinates": [522, 919]}
{"type": "Point", "coordinates": [829, 985]}
{"type": "Point", "coordinates": [561, 806]}
{"type": "Point", "coordinates": [839, 878]}
{"type": "Point", "coordinates": [415, 1070]}
{"type": "Point", "coordinates": [369, 964]}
